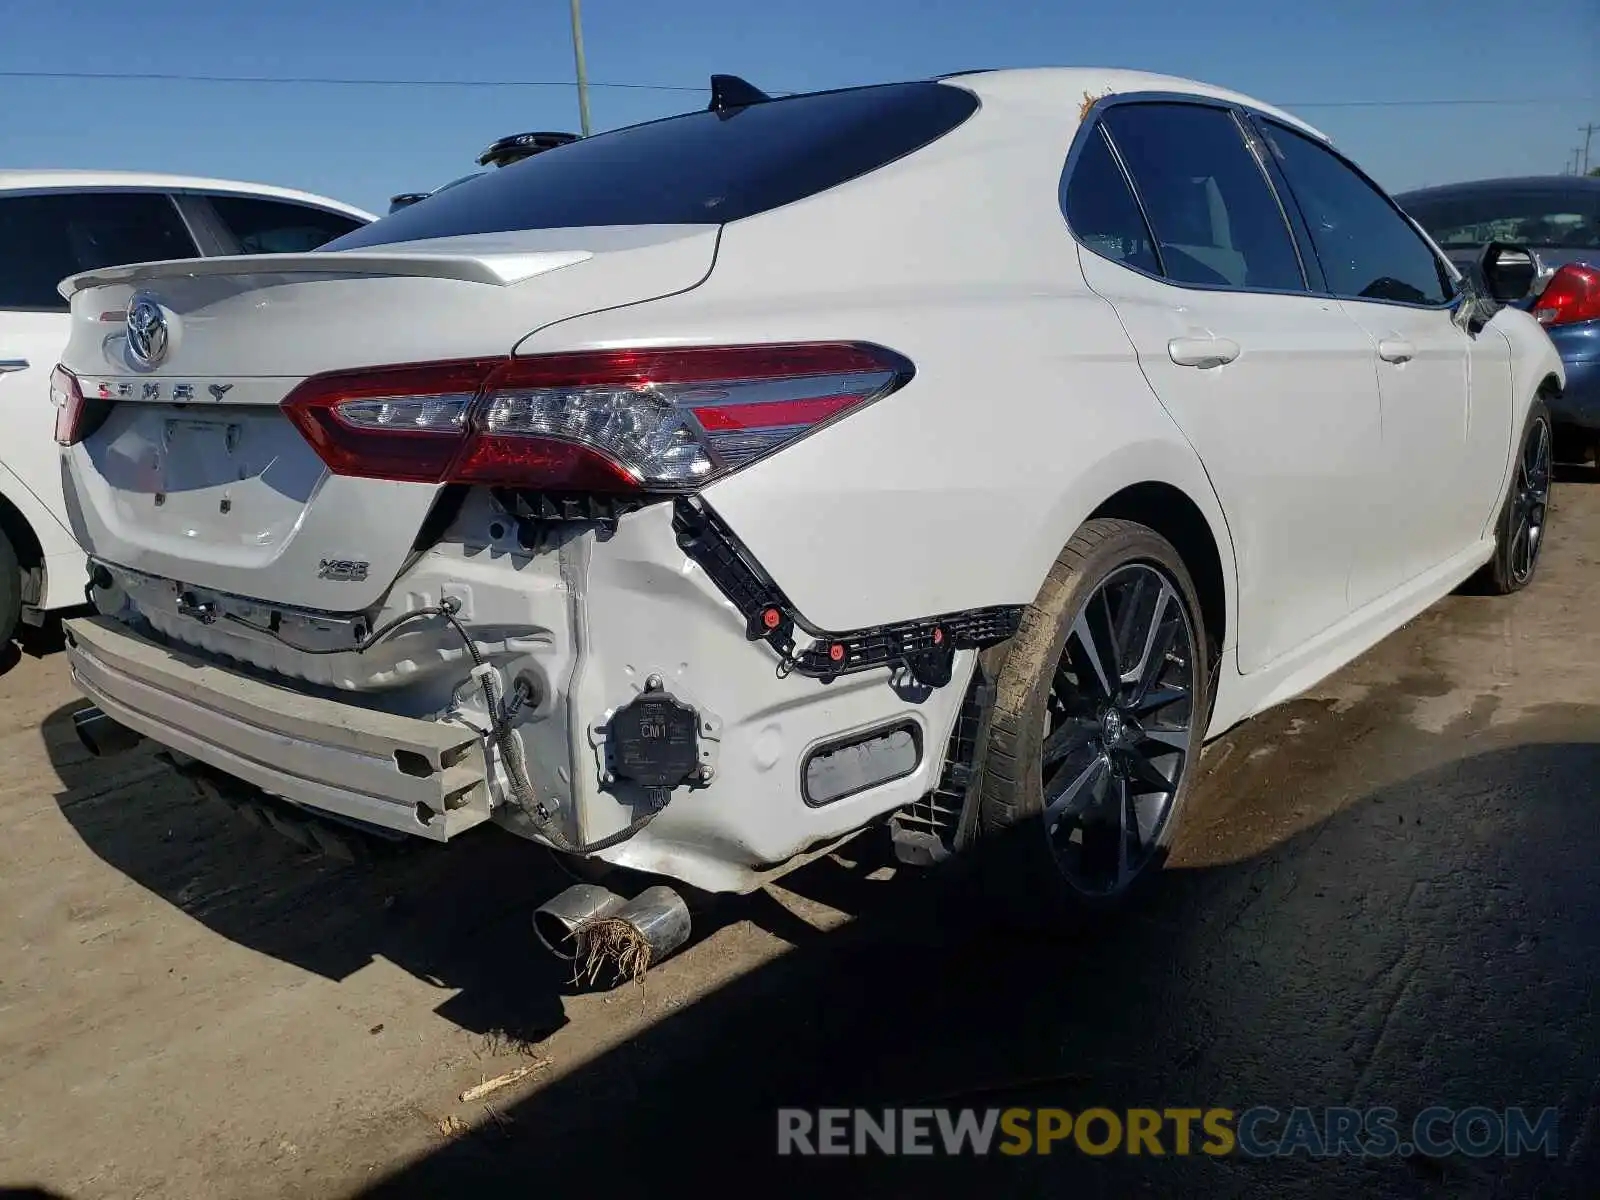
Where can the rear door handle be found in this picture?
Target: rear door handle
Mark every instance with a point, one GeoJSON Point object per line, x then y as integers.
{"type": "Point", "coordinates": [8, 365]}
{"type": "Point", "coordinates": [1202, 352]}
{"type": "Point", "coordinates": [1395, 350]}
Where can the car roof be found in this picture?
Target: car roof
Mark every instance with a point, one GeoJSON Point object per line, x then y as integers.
{"type": "Point", "coordinates": [1554, 184]}
{"type": "Point", "coordinates": [66, 180]}
{"type": "Point", "coordinates": [1057, 86]}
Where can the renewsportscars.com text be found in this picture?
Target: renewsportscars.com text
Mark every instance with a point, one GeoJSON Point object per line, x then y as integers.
{"type": "Point", "coordinates": [1259, 1132]}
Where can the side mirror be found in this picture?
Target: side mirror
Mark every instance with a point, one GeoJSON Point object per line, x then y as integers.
{"type": "Point", "coordinates": [1473, 308]}
{"type": "Point", "coordinates": [1507, 272]}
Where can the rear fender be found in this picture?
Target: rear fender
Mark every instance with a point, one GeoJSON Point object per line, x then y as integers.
{"type": "Point", "coordinates": [39, 539]}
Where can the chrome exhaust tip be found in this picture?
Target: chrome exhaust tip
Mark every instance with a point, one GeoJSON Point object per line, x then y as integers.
{"type": "Point", "coordinates": [557, 919]}
{"type": "Point", "coordinates": [659, 917]}
{"type": "Point", "coordinates": [656, 920]}
{"type": "Point", "coordinates": [100, 735]}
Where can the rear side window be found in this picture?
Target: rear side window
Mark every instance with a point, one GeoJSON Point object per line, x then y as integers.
{"type": "Point", "coordinates": [701, 168]}
{"type": "Point", "coordinates": [1367, 249]}
{"type": "Point", "coordinates": [278, 226]}
{"type": "Point", "coordinates": [45, 238]}
{"type": "Point", "coordinates": [1568, 219]}
{"type": "Point", "coordinates": [1216, 219]}
{"type": "Point", "coordinates": [1102, 212]}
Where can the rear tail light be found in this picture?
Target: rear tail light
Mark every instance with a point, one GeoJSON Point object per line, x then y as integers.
{"type": "Point", "coordinates": [76, 417]}
{"type": "Point", "coordinates": [1573, 294]}
{"type": "Point", "coordinates": [614, 420]}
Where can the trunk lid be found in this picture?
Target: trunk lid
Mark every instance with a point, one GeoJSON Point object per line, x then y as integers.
{"type": "Point", "coordinates": [198, 477]}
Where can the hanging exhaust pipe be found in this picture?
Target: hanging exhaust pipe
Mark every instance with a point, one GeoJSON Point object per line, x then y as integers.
{"type": "Point", "coordinates": [592, 921]}
{"type": "Point", "coordinates": [100, 735]}
{"type": "Point", "coordinates": [659, 919]}
{"type": "Point", "coordinates": [557, 919]}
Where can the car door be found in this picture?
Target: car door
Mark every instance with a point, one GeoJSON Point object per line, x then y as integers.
{"type": "Point", "coordinates": [45, 237]}
{"type": "Point", "coordinates": [1272, 385]}
{"type": "Point", "coordinates": [1445, 393]}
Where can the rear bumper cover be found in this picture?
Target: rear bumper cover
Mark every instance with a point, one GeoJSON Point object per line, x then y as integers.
{"type": "Point", "coordinates": [414, 776]}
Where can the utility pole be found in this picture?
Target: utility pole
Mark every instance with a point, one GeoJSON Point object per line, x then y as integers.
{"type": "Point", "coordinates": [583, 73]}
{"type": "Point", "coordinates": [1588, 132]}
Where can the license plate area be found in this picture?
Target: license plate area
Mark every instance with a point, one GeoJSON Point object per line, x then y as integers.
{"type": "Point", "coordinates": [198, 454]}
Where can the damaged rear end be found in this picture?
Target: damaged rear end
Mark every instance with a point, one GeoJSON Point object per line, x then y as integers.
{"type": "Point", "coordinates": [354, 544]}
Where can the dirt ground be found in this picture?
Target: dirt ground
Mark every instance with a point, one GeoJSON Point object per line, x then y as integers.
{"type": "Point", "coordinates": [1386, 894]}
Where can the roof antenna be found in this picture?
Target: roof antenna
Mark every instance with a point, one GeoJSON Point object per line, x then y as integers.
{"type": "Point", "coordinates": [729, 91]}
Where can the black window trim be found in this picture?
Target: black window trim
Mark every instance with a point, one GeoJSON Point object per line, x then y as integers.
{"type": "Point", "coordinates": [1110, 144]}
{"type": "Point", "coordinates": [1250, 121]}
{"type": "Point", "coordinates": [1092, 122]}
{"type": "Point", "coordinates": [115, 189]}
{"type": "Point", "coordinates": [1449, 276]}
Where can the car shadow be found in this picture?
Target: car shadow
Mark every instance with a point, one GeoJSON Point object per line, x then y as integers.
{"type": "Point", "coordinates": [35, 641]}
{"type": "Point", "coordinates": [457, 916]}
{"type": "Point", "coordinates": [1430, 942]}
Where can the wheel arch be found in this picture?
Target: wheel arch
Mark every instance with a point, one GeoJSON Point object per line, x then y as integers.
{"type": "Point", "coordinates": [1170, 511]}
{"type": "Point", "coordinates": [1161, 483]}
{"type": "Point", "coordinates": [25, 542]}
{"type": "Point", "coordinates": [43, 543]}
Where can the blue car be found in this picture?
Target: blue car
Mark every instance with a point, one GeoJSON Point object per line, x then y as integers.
{"type": "Point", "coordinates": [1557, 218]}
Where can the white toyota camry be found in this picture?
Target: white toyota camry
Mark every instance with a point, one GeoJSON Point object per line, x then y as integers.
{"type": "Point", "coordinates": [955, 455]}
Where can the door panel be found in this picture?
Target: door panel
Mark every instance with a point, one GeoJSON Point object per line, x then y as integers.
{"type": "Point", "coordinates": [1287, 431]}
{"type": "Point", "coordinates": [1393, 284]}
{"type": "Point", "coordinates": [1424, 390]}
{"type": "Point", "coordinates": [1273, 387]}
{"type": "Point", "coordinates": [27, 418]}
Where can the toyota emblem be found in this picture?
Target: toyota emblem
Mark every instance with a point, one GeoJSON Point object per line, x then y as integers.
{"type": "Point", "coordinates": [147, 331]}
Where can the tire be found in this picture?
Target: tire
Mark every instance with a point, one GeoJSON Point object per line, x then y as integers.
{"type": "Point", "coordinates": [1038, 689]}
{"type": "Point", "coordinates": [1524, 515]}
{"type": "Point", "coordinates": [10, 590]}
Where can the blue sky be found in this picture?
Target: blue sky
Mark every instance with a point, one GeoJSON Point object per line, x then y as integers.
{"type": "Point", "coordinates": [362, 144]}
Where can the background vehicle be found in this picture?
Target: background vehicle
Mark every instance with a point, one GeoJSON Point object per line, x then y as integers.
{"type": "Point", "coordinates": [1557, 218]}
{"type": "Point", "coordinates": [57, 223]}
{"type": "Point", "coordinates": [502, 153]}
{"type": "Point", "coordinates": [955, 454]}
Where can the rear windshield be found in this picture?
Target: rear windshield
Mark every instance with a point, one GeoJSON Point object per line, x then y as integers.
{"type": "Point", "coordinates": [1569, 219]}
{"type": "Point", "coordinates": [698, 169]}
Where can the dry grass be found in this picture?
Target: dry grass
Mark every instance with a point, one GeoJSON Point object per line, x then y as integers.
{"type": "Point", "coordinates": [608, 942]}
{"type": "Point", "coordinates": [1089, 102]}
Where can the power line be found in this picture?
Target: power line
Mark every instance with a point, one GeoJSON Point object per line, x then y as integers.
{"type": "Point", "coordinates": [343, 81]}
{"type": "Point", "coordinates": [1494, 103]}
{"type": "Point", "coordinates": [177, 77]}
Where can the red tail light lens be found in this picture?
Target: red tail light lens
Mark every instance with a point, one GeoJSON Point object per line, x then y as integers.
{"type": "Point", "coordinates": [1573, 294]}
{"type": "Point", "coordinates": [76, 418]}
{"type": "Point", "coordinates": [615, 420]}
{"type": "Point", "coordinates": [403, 423]}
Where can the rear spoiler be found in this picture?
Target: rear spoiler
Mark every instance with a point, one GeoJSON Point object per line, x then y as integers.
{"type": "Point", "coordinates": [496, 268]}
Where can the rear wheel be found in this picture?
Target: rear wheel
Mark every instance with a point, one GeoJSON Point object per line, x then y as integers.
{"type": "Point", "coordinates": [1520, 534]}
{"type": "Point", "coordinates": [1099, 715]}
{"type": "Point", "coordinates": [10, 590]}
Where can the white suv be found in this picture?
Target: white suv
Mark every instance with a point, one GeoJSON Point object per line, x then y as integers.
{"type": "Point", "coordinates": [57, 223]}
{"type": "Point", "coordinates": [954, 454]}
